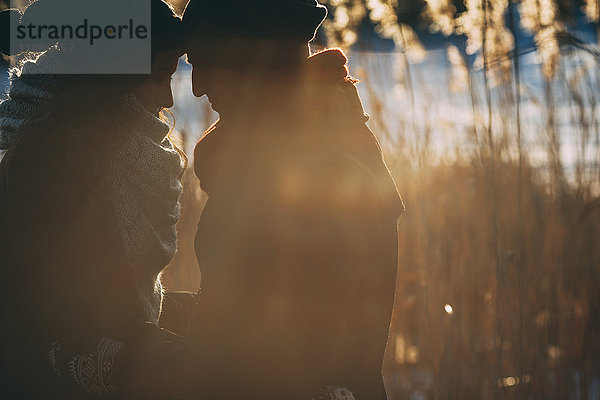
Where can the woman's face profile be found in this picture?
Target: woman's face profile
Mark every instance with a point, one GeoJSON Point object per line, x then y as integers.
{"type": "Point", "coordinates": [155, 93]}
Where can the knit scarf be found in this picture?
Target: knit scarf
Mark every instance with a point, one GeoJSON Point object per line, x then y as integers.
{"type": "Point", "coordinates": [140, 175]}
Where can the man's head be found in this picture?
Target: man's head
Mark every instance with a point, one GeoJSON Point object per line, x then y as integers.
{"type": "Point", "coordinates": [230, 40]}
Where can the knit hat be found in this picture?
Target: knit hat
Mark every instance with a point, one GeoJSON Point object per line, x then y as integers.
{"type": "Point", "coordinates": [165, 27]}
{"type": "Point", "coordinates": [295, 20]}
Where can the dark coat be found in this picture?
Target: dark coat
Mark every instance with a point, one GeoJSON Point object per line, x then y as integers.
{"type": "Point", "coordinates": [297, 247]}
{"type": "Point", "coordinates": [66, 279]}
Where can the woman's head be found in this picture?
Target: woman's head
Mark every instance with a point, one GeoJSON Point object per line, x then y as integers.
{"type": "Point", "coordinates": [154, 91]}
{"type": "Point", "coordinates": [81, 107]}
{"type": "Point", "coordinates": [166, 47]}
{"type": "Point", "coordinates": [230, 42]}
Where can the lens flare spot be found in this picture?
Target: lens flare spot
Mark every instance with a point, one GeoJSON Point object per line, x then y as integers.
{"type": "Point", "coordinates": [449, 309]}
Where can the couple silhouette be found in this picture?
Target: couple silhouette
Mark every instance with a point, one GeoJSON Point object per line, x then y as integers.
{"type": "Point", "coordinates": [297, 243]}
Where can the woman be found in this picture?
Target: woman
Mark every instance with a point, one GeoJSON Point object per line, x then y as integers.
{"type": "Point", "coordinates": [89, 190]}
{"type": "Point", "coordinates": [298, 241]}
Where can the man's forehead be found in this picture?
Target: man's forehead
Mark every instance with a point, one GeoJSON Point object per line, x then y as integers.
{"type": "Point", "coordinates": [166, 61]}
{"type": "Point", "coordinates": [197, 52]}
{"type": "Point", "coordinates": [192, 50]}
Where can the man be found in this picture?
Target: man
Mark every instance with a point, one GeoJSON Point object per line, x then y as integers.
{"type": "Point", "coordinates": [298, 241]}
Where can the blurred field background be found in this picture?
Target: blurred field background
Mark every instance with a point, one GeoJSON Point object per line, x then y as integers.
{"type": "Point", "coordinates": [488, 114]}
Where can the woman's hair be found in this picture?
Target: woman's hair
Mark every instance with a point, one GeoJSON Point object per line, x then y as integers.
{"type": "Point", "coordinates": [73, 130]}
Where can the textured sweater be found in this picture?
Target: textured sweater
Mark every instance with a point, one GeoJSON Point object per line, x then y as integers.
{"type": "Point", "coordinates": [140, 176]}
